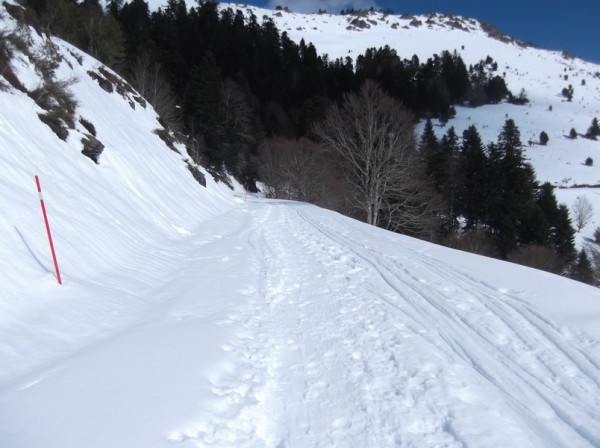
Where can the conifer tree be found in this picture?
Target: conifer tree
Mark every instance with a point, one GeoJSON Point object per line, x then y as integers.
{"type": "Point", "coordinates": [496, 89]}
{"type": "Point", "coordinates": [456, 77]}
{"type": "Point", "coordinates": [446, 174]}
{"type": "Point", "coordinates": [594, 130]}
{"type": "Point", "coordinates": [134, 17]}
{"type": "Point", "coordinates": [512, 216]}
{"type": "Point", "coordinates": [429, 148]}
{"type": "Point", "coordinates": [473, 190]}
{"type": "Point", "coordinates": [114, 7]}
{"type": "Point", "coordinates": [582, 269]}
{"type": "Point", "coordinates": [563, 234]}
{"type": "Point", "coordinates": [203, 106]}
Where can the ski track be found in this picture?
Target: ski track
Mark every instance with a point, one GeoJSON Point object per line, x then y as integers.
{"type": "Point", "coordinates": [353, 346]}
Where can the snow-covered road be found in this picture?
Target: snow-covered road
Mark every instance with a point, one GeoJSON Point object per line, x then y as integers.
{"type": "Point", "coordinates": [278, 324]}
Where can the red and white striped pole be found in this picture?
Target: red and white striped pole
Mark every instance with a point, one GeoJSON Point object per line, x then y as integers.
{"type": "Point", "coordinates": [39, 189]}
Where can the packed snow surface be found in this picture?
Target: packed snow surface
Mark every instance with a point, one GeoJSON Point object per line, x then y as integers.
{"type": "Point", "coordinates": [281, 324]}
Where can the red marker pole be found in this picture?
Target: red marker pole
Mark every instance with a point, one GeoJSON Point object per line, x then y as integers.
{"type": "Point", "coordinates": [39, 189]}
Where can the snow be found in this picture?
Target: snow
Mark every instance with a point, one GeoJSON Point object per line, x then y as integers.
{"type": "Point", "coordinates": [287, 325]}
{"type": "Point", "coordinates": [196, 317]}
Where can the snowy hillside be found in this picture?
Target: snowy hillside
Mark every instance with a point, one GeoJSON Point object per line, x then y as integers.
{"type": "Point", "coordinates": [195, 316]}
{"type": "Point", "coordinates": [103, 215]}
{"type": "Point", "coordinates": [542, 74]}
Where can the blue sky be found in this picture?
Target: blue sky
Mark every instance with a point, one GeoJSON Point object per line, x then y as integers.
{"type": "Point", "coordinates": [573, 25]}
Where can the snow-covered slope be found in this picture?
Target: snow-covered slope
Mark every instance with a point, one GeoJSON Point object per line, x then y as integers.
{"type": "Point", "coordinates": [103, 217]}
{"type": "Point", "coordinates": [541, 73]}
{"type": "Point", "coordinates": [192, 317]}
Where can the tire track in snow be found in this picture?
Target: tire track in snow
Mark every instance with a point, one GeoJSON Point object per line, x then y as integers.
{"type": "Point", "coordinates": [343, 372]}
{"type": "Point", "coordinates": [561, 381]}
{"type": "Point", "coordinates": [318, 362]}
{"type": "Point", "coordinates": [340, 345]}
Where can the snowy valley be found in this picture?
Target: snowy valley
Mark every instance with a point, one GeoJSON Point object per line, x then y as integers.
{"type": "Point", "coordinates": [203, 316]}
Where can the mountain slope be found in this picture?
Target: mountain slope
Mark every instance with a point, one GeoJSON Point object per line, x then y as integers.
{"type": "Point", "coordinates": [140, 195]}
{"type": "Point", "coordinates": [542, 73]}
{"type": "Point", "coordinates": [190, 316]}
{"type": "Point", "coordinates": [538, 74]}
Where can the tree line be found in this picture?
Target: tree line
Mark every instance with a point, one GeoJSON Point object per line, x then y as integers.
{"type": "Point", "coordinates": [339, 133]}
{"type": "Point", "coordinates": [227, 80]}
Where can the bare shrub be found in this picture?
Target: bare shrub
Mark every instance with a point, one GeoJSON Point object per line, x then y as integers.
{"type": "Point", "coordinates": [148, 78]}
{"type": "Point", "coordinates": [9, 42]}
{"type": "Point", "coordinates": [593, 253]}
{"type": "Point", "coordinates": [47, 60]}
{"type": "Point", "coordinates": [537, 257]}
{"type": "Point", "coordinates": [291, 169]}
{"type": "Point", "coordinates": [6, 55]}
{"type": "Point", "coordinates": [60, 106]}
{"type": "Point", "coordinates": [195, 145]}
{"type": "Point", "coordinates": [54, 94]}
{"type": "Point", "coordinates": [104, 39]}
{"type": "Point", "coordinates": [477, 241]}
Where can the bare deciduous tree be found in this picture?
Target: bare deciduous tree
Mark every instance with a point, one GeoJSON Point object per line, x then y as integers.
{"type": "Point", "coordinates": [148, 79]}
{"type": "Point", "coordinates": [374, 134]}
{"type": "Point", "coordinates": [594, 255]}
{"type": "Point", "coordinates": [239, 129]}
{"type": "Point", "coordinates": [582, 212]}
{"type": "Point", "coordinates": [292, 169]}
{"type": "Point", "coordinates": [104, 39]}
